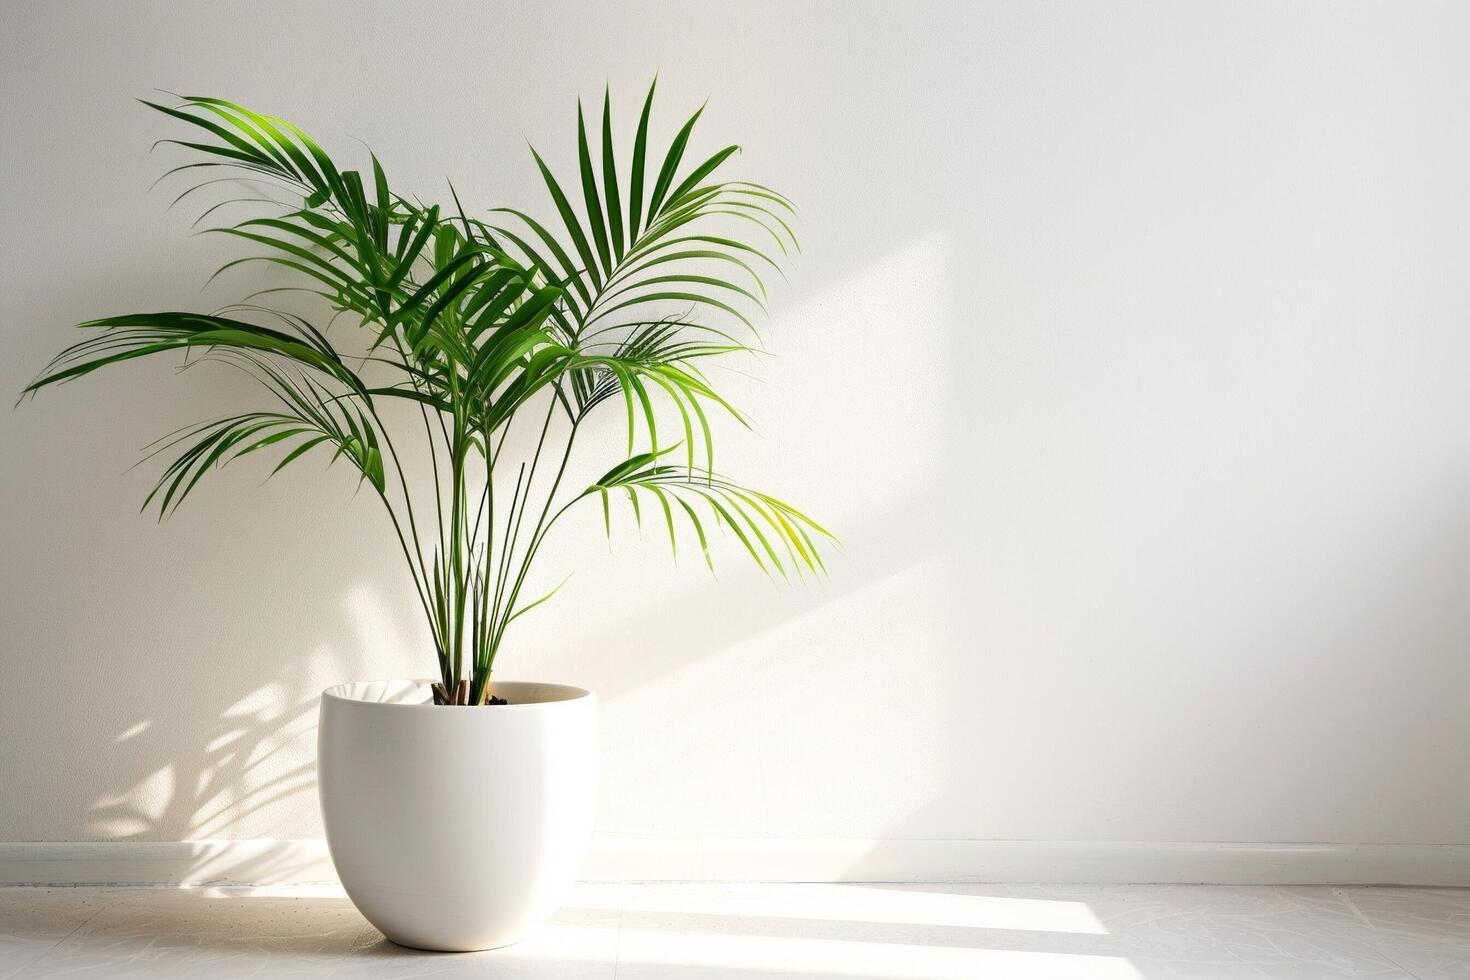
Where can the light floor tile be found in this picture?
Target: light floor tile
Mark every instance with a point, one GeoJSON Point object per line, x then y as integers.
{"type": "Point", "coordinates": [33, 920]}
{"type": "Point", "coordinates": [726, 931]}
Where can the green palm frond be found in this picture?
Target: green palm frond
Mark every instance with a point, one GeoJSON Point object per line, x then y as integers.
{"type": "Point", "coordinates": [768, 528]}
{"type": "Point", "coordinates": [643, 276]}
{"type": "Point", "coordinates": [625, 252]}
{"type": "Point", "coordinates": [123, 338]}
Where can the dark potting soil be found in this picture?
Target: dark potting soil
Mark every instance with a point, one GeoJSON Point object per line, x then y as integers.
{"type": "Point", "coordinates": [459, 696]}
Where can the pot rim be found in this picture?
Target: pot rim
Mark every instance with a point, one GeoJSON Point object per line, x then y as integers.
{"type": "Point", "coordinates": [573, 695]}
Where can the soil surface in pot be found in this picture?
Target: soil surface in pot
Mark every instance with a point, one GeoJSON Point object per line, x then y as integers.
{"type": "Point", "coordinates": [460, 695]}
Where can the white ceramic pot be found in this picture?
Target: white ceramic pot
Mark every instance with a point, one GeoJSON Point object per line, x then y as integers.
{"type": "Point", "coordinates": [457, 828]}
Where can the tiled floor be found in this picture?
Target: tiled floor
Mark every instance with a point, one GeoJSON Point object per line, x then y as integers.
{"type": "Point", "coordinates": [765, 931]}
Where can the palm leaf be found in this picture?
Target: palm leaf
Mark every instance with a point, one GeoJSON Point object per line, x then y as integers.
{"type": "Point", "coordinates": [475, 323]}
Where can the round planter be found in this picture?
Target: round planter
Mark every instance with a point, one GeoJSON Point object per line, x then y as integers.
{"type": "Point", "coordinates": [457, 828]}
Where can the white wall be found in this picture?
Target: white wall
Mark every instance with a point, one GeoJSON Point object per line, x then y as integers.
{"type": "Point", "coordinates": [1127, 355]}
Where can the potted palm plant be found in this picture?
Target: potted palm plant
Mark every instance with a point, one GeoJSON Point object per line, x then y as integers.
{"type": "Point", "coordinates": [457, 808]}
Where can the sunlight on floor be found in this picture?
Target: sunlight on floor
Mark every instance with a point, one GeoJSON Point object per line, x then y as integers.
{"type": "Point", "coordinates": [726, 931]}
{"type": "Point", "coordinates": [852, 958]}
{"type": "Point", "coordinates": [893, 904]}
{"type": "Point", "coordinates": [678, 930]}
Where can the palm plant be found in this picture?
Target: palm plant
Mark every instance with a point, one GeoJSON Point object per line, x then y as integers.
{"type": "Point", "coordinates": [476, 324]}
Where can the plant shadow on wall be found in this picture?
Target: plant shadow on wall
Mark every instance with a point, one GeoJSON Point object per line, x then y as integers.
{"type": "Point", "coordinates": [209, 767]}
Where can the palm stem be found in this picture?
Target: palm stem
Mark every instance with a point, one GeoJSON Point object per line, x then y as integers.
{"type": "Point", "coordinates": [536, 537]}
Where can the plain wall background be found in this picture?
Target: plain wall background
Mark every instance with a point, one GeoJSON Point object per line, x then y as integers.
{"type": "Point", "coordinates": [1128, 356]}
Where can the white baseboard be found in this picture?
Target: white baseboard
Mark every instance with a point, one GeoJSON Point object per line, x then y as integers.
{"type": "Point", "coordinates": [1100, 862]}
{"type": "Point", "coordinates": [206, 862]}
{"type": "Point", "coordinates": [274, 862]}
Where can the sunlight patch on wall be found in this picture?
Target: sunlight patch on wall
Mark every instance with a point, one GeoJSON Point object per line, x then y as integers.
{"type": "Point", "coordinates": [833, 719]}
{"type": "Point", "coordinates": [133, 731]}
{"type": "Point", "coordinates": [136, 812]}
